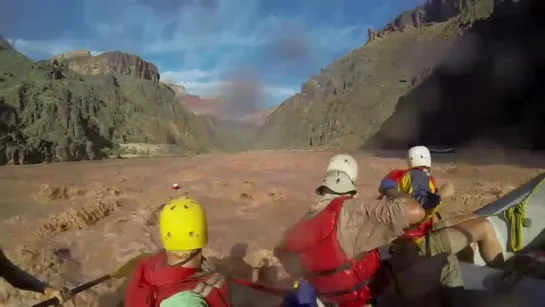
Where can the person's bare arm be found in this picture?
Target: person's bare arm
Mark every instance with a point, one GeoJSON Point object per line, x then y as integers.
{"type": "Point", "coordinates": [19, 278]}
{"type": "Point", "coordinates": [363, 227]}
{"type": "Point", "coordinates": [414, 210]}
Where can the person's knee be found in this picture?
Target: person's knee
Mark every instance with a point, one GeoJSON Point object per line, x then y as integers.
{"type": "Point", "coordinates": [484, 222]}
{"type": "Point", "coordinates": [477, 229]}
{"type": "Point", "coordinates": [485, 229]}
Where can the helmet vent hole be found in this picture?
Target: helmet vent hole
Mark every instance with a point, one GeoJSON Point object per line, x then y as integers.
{"type": "Point", "coordinates": [172, 208]}
{"type": "Point", "coordinates": [192, 234]}
{"type": "Point", "coordinates": [185, 206]}
{"type": "Point", "coordinates": [338, 180]}
{"type": "Point", "coordinates": [169, 234]}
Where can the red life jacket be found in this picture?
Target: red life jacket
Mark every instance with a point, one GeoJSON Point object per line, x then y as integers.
{"type": "Point", "coordinates": [424, 227]}
{"type": "Point", "coordinates": [153, 282]}
{"type": "Point", "coordinates": [336, 277]}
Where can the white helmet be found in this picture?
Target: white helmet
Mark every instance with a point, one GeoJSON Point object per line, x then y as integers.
{"type": "Point", "coordinates": [419, 156]}
{"type": "Point", "coordinates": [341, 175]}
{"type": "Point", "coordinates": [344, 163]}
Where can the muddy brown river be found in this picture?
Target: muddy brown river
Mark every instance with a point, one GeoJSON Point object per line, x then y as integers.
{"type": "Point", "coordinates": [71, 222]}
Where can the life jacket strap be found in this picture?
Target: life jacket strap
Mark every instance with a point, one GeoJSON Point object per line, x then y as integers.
{"type": "Point", "coordinates": [343, 267]}
{"type": "Point", "coordinates": [355, 288]}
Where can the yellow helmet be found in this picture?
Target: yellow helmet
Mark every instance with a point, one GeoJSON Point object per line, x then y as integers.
{"type": "Point", "coordinates": [182, 225]}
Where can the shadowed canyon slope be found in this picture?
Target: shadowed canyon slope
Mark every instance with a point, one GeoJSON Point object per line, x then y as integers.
{"type": "Point", "coordinates": [447, 73]}
{"type": "Point", "coordinates": [488, 91]}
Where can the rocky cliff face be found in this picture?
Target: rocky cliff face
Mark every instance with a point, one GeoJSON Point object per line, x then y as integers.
{"type": "Point", "coordinates": [117, 62]}
{"type": "Point", "coordinates": [488, 90]}
{"type": "Point", "coordinates": [431, 12]}
{"type": "Point", "coordinates": [51, 113]}
{"type": "Point", "coordinates": [349, 101]}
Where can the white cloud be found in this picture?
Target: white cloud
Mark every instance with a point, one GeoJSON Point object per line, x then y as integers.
{"type": "Point", "coordinates": [94, 52]}
{"type": "Point", "coordinates": [185, 76]}
{"type": "Point", "coordinates": [280, 90]}
{"type": "Point", "coordinates": [193, 81]}
{"type": "Point", "coordinates": [224, 40]}
{"type": "Point", "coordinates": [221, 87]}
{"type": "Point", "coordinates": [50, 48]}
{"type": "Point", "coordinates": [213, 88]}
{"type": "Point", "coordinates": [212, 41]}
{"type": "Point", "coordinates": [191, 26]}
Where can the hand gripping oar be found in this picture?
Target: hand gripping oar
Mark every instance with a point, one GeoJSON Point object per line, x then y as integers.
{"type": "Point", "coordinates": [123, 271]}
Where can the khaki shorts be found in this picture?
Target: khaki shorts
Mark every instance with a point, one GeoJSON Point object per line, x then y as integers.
{"type": "Point", "coordinates": [446, 241]}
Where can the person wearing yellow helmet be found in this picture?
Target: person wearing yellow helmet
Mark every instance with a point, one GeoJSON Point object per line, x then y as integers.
{"type": "Point", "coordinates": [175, 276]}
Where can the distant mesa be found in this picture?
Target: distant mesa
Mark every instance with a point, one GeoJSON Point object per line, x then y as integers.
{"type": "Point", "coordinates": [73, 54]}
{"type": "Point", "coordinates": [177, 88]}
{"type": "Point", "coordinates": [83, 62]}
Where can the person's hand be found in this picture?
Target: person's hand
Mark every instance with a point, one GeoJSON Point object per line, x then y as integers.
{"type": "Point", "coordinates": [62, 294]}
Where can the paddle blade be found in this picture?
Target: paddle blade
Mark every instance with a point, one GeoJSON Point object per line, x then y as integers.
{"type": "Point", "coordinates": [126, 269]}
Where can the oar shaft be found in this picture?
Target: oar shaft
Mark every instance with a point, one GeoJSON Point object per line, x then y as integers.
{"type": "Point", "coordinates": [54, 301]}
{"type": "Point", "coordinates": [259, 287]}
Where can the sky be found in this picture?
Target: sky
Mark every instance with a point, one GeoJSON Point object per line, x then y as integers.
{"type": "Point", "coordinates": [205, 45]}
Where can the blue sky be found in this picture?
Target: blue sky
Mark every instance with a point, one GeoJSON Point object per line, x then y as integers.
{"type": "Point", "coordinates": [205, 44]}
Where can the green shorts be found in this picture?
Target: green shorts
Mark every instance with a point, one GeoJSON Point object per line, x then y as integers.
{"type": "Point", "coordinates": [437, 243]}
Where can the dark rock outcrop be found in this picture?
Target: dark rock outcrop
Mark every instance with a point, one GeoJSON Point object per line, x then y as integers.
{"type": "Point", "coordinates": [348, 102]}
{"type": "Point", "coordinates": [488, 90]}
{"type": "Point", "coordinates": [50, 113]}
{"type": "Point", "coordinates": [436, 11]}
